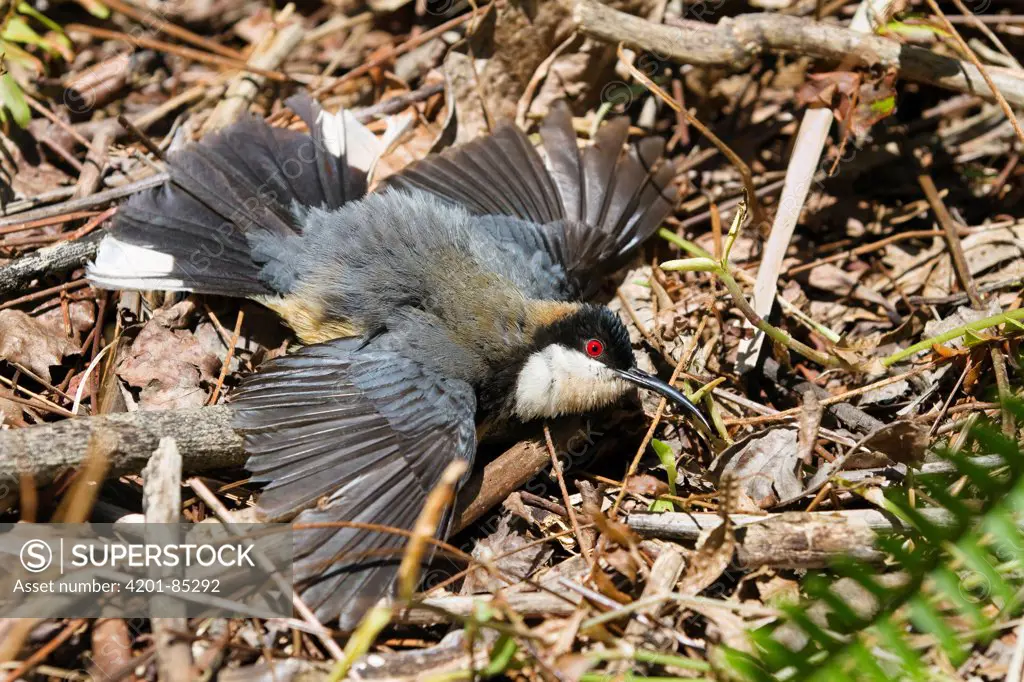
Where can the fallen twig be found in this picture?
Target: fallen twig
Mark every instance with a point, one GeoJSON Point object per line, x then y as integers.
{"type": "Point", "coordinates": [161, 496]}
{"type": "Point", "coordinates": [738, 40]}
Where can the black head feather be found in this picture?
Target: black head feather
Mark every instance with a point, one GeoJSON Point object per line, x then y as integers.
{"type": "Point", "coordinates": [591, 322]}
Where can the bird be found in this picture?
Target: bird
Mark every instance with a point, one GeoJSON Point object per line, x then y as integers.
{"type": "Point", "coordinates": [448, 304]}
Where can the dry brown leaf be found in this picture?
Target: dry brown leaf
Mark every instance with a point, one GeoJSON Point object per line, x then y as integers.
{"type": "Point", "coordinates": [168, 363]}
{"type": "Point", "coordinates": [710, 560]}
{"type": "Point", "coordinates": [82, 315]}
{"type": "Point", "coordinates": [715, 552]}
{"type": "Point", "coordinates": [27, 341]}
{"type": "Point", "coordinates": [765, 465]}
{"type": "Point", "coordinates": [622, 561]}
{"type": "Point", "coordinates": [10, 411]}
{"type": "Point", "coordinates": [523, 563]}
{"type": "Point", "coordinates": [903, 441]}
{"type": "Point", "coordinates": [647, 485]}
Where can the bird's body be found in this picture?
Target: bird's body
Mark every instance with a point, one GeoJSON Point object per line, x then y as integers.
{"type": "Point", "coordinates": [445, 301]}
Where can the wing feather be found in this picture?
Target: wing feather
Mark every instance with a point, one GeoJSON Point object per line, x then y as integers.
{"type": "Point", "coordinates": [592, 209]}
{"type": "Point", "coordinates": [343, 432]}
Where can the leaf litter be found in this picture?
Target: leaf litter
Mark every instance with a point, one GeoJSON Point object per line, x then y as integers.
{"type": "Point", "coordinates": [868, 264]}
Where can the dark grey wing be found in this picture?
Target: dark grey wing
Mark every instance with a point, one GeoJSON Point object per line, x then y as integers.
{"type": "Point", "coordinates": [345, 433]}
{"type": "Point", "coordinates": [596, 207]}
{"type": "Point", "coordinates": [233, 210]}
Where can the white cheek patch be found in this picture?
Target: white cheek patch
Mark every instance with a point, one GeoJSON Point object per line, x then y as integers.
{"type": "Point", "coordinates": [120, 265]}
{"type": "Point", "coordinates": [558, 380]}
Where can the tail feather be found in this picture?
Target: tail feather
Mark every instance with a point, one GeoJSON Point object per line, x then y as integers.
{"type": "Point", "coordinates": [229, 219]}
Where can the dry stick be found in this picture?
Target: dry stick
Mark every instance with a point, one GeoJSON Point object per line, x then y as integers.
{"type": "Point", "coordinates": [843, 397]}
{"type": "Point", "coordinates": [158, 24]}
{"type": "Point", "coordinates": [63, 256]}
{"type": "Point", "coordinates": [963, 272]}
{"type": "Point", "coordinates": [141, 137]}
{"type": "Point", "coordinates": [43, 403]}
{"type": "Point", "coordinates": [97, 199]}
{"type": "Point", "coordinates": [803, 164]}
{"type": "Point", "coordinates": [227, 360]}
{"type": "Point", "coordinates": [224, 516]}
{"type": "Point", "coordinates": [733, 157]}
{"type": "Point", "coordinates": [53, 118]}
{"type": "Point", "coordinates": [43, 293]}
{"type": "Point", "coordinates": [790, 539]}
{"type": "Point", "coordinates": [206, 440]}
{"type": "Point", "coordinates": [1003, 104]}
{"type": "Point", "coordinates": [269, 54]}
{"type": "Point", "coordinates": [573, 521]}
{"type": "Point", "coordinates": [95, 161]}
{"type": "Point", "coordinates": [736, 41]}
{"type": "Point", "coordinates": [161, 502]}
{"type": "Point", "coordinates": [204, 437]}
{"type": "Point", "coordinates": [863, 249]}
{"type": "Point", "coordinates": [335, 25]}
{"type": "Point", "coordinates": [187, 97]}
{"type": "Point", "coordinates": [44, 651]}
{"type": "Point", "coordinates": [185, 52]}
{"type": "Point", "coordinates": [972, 18]}
{"type": "Point", "coordinates": [46, 222]}
{"type": "Point", "coordinates": [508, 472]}
{"type": "Point", "coordinates": [408, 45]}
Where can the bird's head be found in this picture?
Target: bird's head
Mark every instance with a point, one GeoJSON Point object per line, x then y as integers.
{"type": "Point", "coordinates": [580, 361]}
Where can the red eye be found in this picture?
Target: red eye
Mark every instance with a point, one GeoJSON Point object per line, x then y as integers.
{"type": "Point", "coordinates": [594, 348]}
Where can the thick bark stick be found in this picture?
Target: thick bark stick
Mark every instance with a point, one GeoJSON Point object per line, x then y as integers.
{"type": "Point", "coordinates": [206, 440]}
{"type": "Point", "coordinates": [738, 40]}
{"type": "Point", "coordinates": [203, 435]}
{"type": "Point", "coordinates": [64, 256]}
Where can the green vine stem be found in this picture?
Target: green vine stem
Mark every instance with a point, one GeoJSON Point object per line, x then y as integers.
{"type": "Point", "coordinates": [721, 270]}
{"type": "Point", "coordinates": [1001, 318]}
{"type": "Point", "coordinates": [703, 261]}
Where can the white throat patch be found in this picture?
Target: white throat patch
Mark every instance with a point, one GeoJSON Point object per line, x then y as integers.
{"type": "Point", "coordinates": [557, 380]}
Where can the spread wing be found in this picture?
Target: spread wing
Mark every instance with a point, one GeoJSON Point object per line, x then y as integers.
{"type": "Point", "coordinates": [342, 432]}
{"type": "Point", "coordinates": [596, 206]}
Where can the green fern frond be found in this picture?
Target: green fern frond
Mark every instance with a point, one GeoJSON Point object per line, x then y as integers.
{"type": "Point", "coordinates": [958, 579]}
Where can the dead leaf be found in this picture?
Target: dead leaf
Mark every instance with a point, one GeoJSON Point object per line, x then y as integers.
{"type": "Point", "coordinates": [765, 464]}
{"type": "Point", "coordinates": [622, 561]}
{"type": "Point", "coordinates": [903, 441]}
{"type": "Point", "coordinates": [810, 420]}
{"type": "Point", "coordinates": [646, 485]}
{"type": "Point", "coordinates": [522, 563]}
{"type": "Point", "coordinates": [856, 103]}
{"type": "Point", "coordinates": [26, 341]}
{"type": "Point", "coordinates": [715, 551]}
{"type": "Point", "coordinates": [168, 363]}
{"type": "Point", "coordinates": [10, 411]}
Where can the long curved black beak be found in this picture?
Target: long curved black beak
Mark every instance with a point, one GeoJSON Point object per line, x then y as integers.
{"type": "Point", "coordinates": [653, 383]}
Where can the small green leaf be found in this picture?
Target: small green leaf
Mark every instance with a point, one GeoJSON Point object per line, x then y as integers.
{"type": "Point", "coordinates": [662, 506]}
{"type": "Point", "coordinates": [884, 106]}
{"type": "Point", "coordinates": [31, 11]}
{"type": "Point", "coordinates": [501, 656]}
{"type": "Point", "coordinates": [95, 8]}
{"type": "Point", "coordinates": [13, 100]}
{"type": "Point", "coordinates": [17, 30]}
{"type": "Point", "coordinates": [668, 460]}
